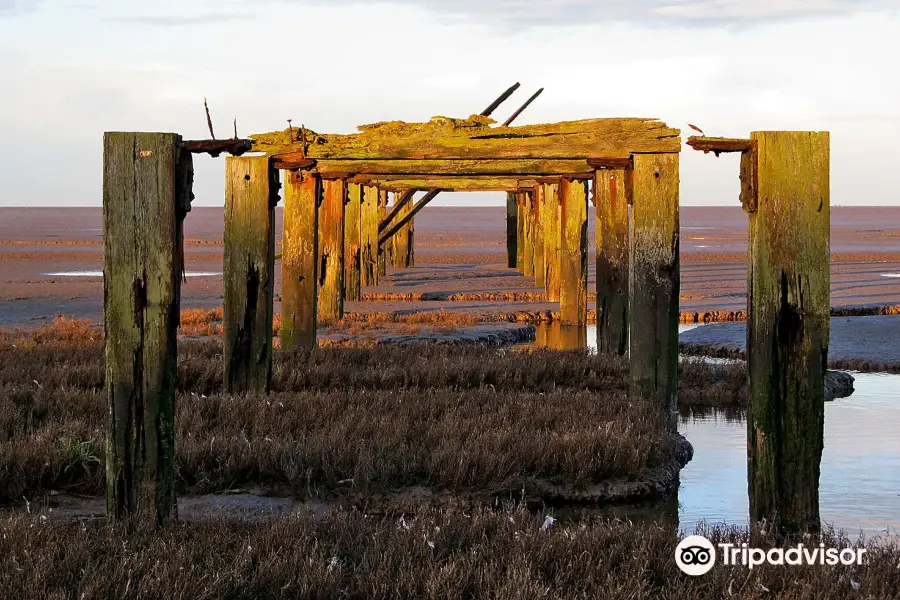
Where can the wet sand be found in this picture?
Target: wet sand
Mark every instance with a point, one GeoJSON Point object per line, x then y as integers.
{"type": "Point", "coordinates": [458, 251]}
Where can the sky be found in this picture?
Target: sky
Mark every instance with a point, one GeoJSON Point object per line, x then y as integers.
{"type": "Point", "coordinates": [74, 69]}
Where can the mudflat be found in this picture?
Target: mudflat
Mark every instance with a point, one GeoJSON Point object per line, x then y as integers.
{"type": "Point", "coordinates": [51, 259]}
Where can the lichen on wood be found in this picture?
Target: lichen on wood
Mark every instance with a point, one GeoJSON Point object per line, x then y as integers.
{"type": "Point", "coordinates": [369, 220]}
{"type": "Point", "coordinates": [299, 260]}
{"type": "Point", "coordinates": [352, 212]}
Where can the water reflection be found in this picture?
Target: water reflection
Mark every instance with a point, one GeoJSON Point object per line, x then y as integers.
{"type": "Point", "coordinates": [572, 337]}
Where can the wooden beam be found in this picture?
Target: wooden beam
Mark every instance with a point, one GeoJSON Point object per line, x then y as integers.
{"type": "Point", "coordinates": [654, 281]}
{"type": "Point", "coordinates": [422, 203]}
{"type": "Point", "coordinates": [302, 195]}
{"type": "Point", "coordinates": [402, 238]}
{"type": "Point", "coordinates": [610, 163]}
{"type": "Point", "coordinates": [331, 241]}
{"type": "Point", "coordinates": [573, 252]}
{"type": "Point", "coordinates": [528, 231]}
{"type": "Point", "coordinates": [473, 183]}
{"type": "Point", "coordinates": [520, 232]}
{"type": "Point", "coordinates": [147, 183]}
{"type": "Point", "coordinates": [537, 234]}
{"type": "Point", "coordinates": [352, 213]}
{"type": "Point", "coordinates": [401, 199]}
{"type": "Point", "coordinates": [718, 145]}
{"type": "Point", "coordinates": [552, 219]}
{"type": "Point", "coordinates": [511, 229]}
{"type": "Point", "coordinates": [787, 329]}
{"type": "Point", "coordinates": [216, 147]}
{"type": "Point", "coordinates": [384, 251]}
{"type": "Point", "coordinates": [474, 138]}
{"type": "Point", "coordinates": [420, 168]}
{"type": "Point", "coordinates": [251, 193]}
{"type": "Point", "coordinates": [369, 220]}
{"type": "Point", "coordinates": [612, 192]}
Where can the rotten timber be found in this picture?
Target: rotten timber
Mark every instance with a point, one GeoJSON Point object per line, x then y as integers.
{"type": "Point", "coordinates": [251, 193]}
{"type": "Point", "coordinates": [352, 214]}
{"type": "Point", "coordinates": [611, 193]}
{"type": "Point", "coordinates": [573, 265]}
{"type": "Point", "coordinates": [331, 256]}
{"type": "Point", "coordinates": [369, 221]}
{"type": "Point", "coordinates": [512, 215]}
{"type": "Point", "coordinates": [528, 232]}
{"type": "Point", "coordinates": [298, 260]}
{"type": "Point", "coordinates": [552, 217]}
{"type": "Point", "coordinates": [401, 237]}
{"type": "Point", "coordinates": [147, 181]}
{"type": "Point", "coordinates": [537, 234]}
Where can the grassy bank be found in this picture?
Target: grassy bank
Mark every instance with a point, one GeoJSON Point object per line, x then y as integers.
{"type": "Point", "coordinates": [441, 554]}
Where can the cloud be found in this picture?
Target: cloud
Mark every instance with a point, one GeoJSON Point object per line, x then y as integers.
{"type": "Point", "coordinates": [10, 8]}
{"type": "Point", "coordinates": [178, 20]}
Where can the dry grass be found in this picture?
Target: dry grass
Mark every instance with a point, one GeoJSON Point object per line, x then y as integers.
{"type": "Point", "coordinates": [442, 554]}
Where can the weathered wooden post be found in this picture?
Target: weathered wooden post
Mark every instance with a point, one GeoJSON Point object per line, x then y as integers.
{"type": "Point", "coordinates": [785, 189]}
{"type": "Point", "coordinates": [573, 251]}
{"type": "Point", "coordinates": [147, 180]}
{"type": "Point", "coordinates": [331, 241]}
{"type": "Point", "coordinates": [385, 251]}
{"type": "Point", "coordinates": [251, 193]}
{"type": "Point", "coordinates": [537, 234]}
{"type": "Point", "coordinates": [369, 220]}
{"type": "Point", "coordinates": [302, 195]}
{"type": "Point", "coordinates": [654, 280]}
{"type": "Point", "coordinates": [352, 213]}
{"type": "Point", "coordinates": [512, 216]}
{"type": "Point", "coordinates": [520, 232]}
{"type": "Point", "coordinates": [611, 197]}
{"type": "Point", "coordinates": [402, 241]}
{"type": "Point", "coordinates": [552, 210]}
{"type": "Point", "coordinates": [527, 233]}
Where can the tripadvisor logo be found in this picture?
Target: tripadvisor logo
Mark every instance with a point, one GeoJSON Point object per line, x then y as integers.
{"type": "Point", "coordinates": [696, 555]}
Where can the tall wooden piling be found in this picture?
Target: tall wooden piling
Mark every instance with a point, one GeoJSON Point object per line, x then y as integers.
{"type": "Point", "coordinates": [369, 219]}
{"type": "Point", "coordinates": [251, 193]}
{"type": "Point", "coordinates": [331, 241]}
{"type": "Point", "coordinates": [385, 251]}
{"type": "Point", "coordinates": [520, 232]}
{"type": "Point", "coordinates": [573, 251]}
{"type": "Point", "coordinates": [512, 216]}
{"type": "Point", "coordinates": [402, 241]}
{"type": "Point", "coordinates": [528, 233]}
{"type": "Point", "coordinates": [612, 196]}
{"type": "Point", "coordinates": [537, 235]}
{"type": "Point", "coordinates": [654, 280]}
{"type": "Point", "coordinates": [788, 323]}
{"type": "Point", "coordinates": [352, 213]}
{"type": "Point", "coordinates": [147, 181]}
{"type": "Point", "coordinates": [302, 195]}
{"type": "Point", "coordinates": [551, 240]}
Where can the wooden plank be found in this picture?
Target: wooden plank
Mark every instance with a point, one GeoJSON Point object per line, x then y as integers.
{"type": "Point", "coordinates": [718, 145]}
{"type": "Point", "coordinates": [352, 212]}
{"type": "Point", "coordinates": [214, 148]}
{"type": "Point", "coordinates": [474, 138]}
{"type": "Point", "coordinates": [402, 239]}
{"type": "Point", "coordinates": [302, 195]}
{"type": "Point", "coordinates": [401, 199]}
{"type": "Point", "coordinates": [384, 250]}
{"type": "Point", "coordinates": [331, 242]}
{"type": "Point", "coordinates": [787, 330]}
{"type": "Point", "coordinates": [147, 183]}
{"type": "Point", "coordinates": [552, 239]}
{"type": "Point", "coordinates": [512, 215]}
{"type": "Point", "coordinates": [370, 218]}
{"type": "Point", "coordinates": [472, 183]}
{"type": "Point", "coordinates": [412, 168]}
{"type": "Point", "coordinates": [612, 190]}
{"type": "Point", "coordinates": [654, 280]}
{"type": "Point", "coordinates": [409, 215]}
{"type": "Point", "coordinates": [527, 233]}
{"type": "Point", "coordinates": [573, 251]}
{"type": "Point", "coordinates": [537, 235]}
{"type": "Point", "coordinates": [251, 193]}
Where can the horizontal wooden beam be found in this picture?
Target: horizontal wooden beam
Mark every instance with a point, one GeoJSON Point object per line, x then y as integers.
{"type": "Point", "coordinates": [448, 183]}
{"type": "Point", "coordinates": [216, 147]}
{"type": "Point", "coordinates": [428, 197]}
{"type": "Point", "coordinates": [302, 164]}
{"type": "Point", "coordinates": [474, 138]}
{"type": "Point", "coordinates": [610, 163]}
{"type": "Point", "coordinates": [719, 145]}
{"type": "Point", "coordinates": [415, 169]}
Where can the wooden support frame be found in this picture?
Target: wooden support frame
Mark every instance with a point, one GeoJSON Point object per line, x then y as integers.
{"type": "Point", "coordinates": [251, 193]}
{"type": "Point", "coordinates": [369, 220]}
{"type": "Point", "coordinates": [384, 250]}
{"type": "Point", "coordinates": [299, 285]}
{"type": "Point", "coordinates": [331, 243]}
{"type": "Point", "coordinates": [147, 181]}
{"type": "Point", "coordinates": [403, 236]}
{"type": "Point", "coordinates": [552, 220]}
{"type": "Point", "coordinates": [512, 216]}
{"type": "Point", "coordinates": [612, 197]}
{"type": "Point", "coordinates": [537, 234]}
{"type": "Point", "coordinates": [352, 236]}
{"type": "Point", "coordinates": [573, 265]}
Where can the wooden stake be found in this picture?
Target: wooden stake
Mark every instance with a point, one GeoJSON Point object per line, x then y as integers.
{"type": "Point", "coordinates": [537, 235]}
{"type": "Point", "coordinates": [552, 240]}
{"type": "Point", "coordinates": [147, 181]}
{"type": "Point", "coordinates": [788, 324]}
{"type": "Point", "coordinates": [251, 193]}
{"type": "Point", "coordinates": [654, 280]}
{"type": "Point", "coordinates": [520, 232]}
{"type": "Point", "coordinates": [612, 191]}
{"type": "Point", "coordinates": [331, 241]}
{"type": "Point", "coordinates": [369, 220]}
{"type": "Point", "coordinates": [302, 195]}
{"type": "Point", "coordinates": [512, 215]}
{"type": "Point", "coordinates": [528, 233]}
{"type": "Point", "coordinates": [352, 242]}
{"type": "Point", "coordinates": [573, 252]}
{"type": "Point", "coordinates": [402, 240]}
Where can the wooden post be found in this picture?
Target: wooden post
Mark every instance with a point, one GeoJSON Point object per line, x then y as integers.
{"type": "Point", "coordinates": [512, 215]}
{"type": "Point", "coordinates": [402, 241]}
{"type": "Point", "coordinates": [369, 220]}
{"type": "Point", "coordinates": [552, 210]}
{"type": "Point", "coordinates": [352, 242]}
{"type": "Point", "coordinates": [612, 196]}
{"type": "Point", "coordinates": [573, 251]}
{"type": "Point", "coordinates": [654, 280]}
{"type": "Point", "coordinates": [251, 193]}
{"type": "Point", "coordinates": [528, 233]}
{"type": "Point", "coordinates": [537, 235]}
{"type": "Point", "coordinates": [385, 251]}
{"type": "Point", "coordinates": [520, 232]}
{"type": "Point", "coordinates": [299, 260]}
{"type": "Point", "coordinates": [147, 181]}
{"type": "Point", "coordinates": [331, 242]}
{"type": "Point", "coordinates": [788, 323]}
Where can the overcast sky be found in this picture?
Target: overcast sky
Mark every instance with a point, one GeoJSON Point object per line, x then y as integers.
{"type": "Point", "coordinates": [72, 70]}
